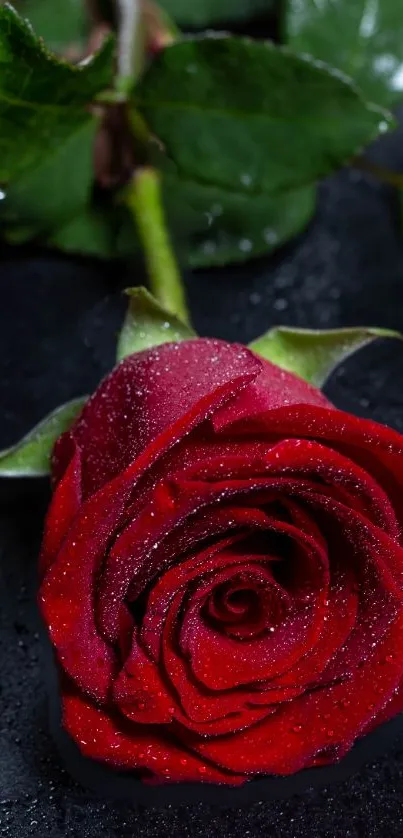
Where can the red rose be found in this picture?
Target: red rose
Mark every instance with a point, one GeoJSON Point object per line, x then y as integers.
{"type": "Point", "coordinates": [222, 569]}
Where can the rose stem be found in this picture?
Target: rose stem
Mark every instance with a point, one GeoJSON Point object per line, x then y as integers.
{"type": "Point", "coordinates": [132, 44]}
{"type": "Point", "coordinates": [144, 199]}
{"type": "Point", "coordinates": [144, 195]}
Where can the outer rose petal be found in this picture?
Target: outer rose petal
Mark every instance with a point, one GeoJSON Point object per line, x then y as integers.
{"type": "Point", "coordinates": [272, 389]}
{"type": "Point", "coordinates": [147, 393]}
{"type": "Point", "coordinates": [376, 448]}
{"type": "Point", "coordinates": [71, 619]}
{"type": "Point", "coordinates": [63, 510]}
{"type": "Point", "coordinates": [100, 737]}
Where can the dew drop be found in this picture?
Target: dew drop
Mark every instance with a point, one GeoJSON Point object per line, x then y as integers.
{"type": "Point", "coordinates": [209, 248]}
{"type": "Point", "coordinates": [216, 210]}
{"type": "Point", "coordinates": [245, 245]}
{"type": "Point", "coordinates": [296, 728]}
{"type": "Point", "coordinates": [246, 179]}
{"type": "Point", "coordinates": [270, 236]}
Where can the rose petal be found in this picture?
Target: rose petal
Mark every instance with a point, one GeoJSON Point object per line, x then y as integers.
{"type": "Point", "coordinates": [62, 512]}
{"type": "Point", "coordinates": [273, 388]}
{"type": "Point", "coordinates": [140, 692]}
{"type": "Point", "coordinates": [139, 551]}
{"type": "Point", "coordinates": [101, 737]}
{"type": "Point", "coordinates": [305, 458]}
{"type": "Point", "coordinates": [70, 618]}
{"type": "Point", "coordinates": [376, 448]}
{"type": "Point", "coordinates": [149, 392]}
{"type": "Point", "coordinates": [287, 740]}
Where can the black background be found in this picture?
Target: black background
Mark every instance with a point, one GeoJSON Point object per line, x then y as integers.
{"type": "Point", "coordinates": [58, 324]}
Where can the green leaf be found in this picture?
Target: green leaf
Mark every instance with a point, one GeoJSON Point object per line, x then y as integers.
{"type": "Point", "coordinates": [52, 192]}
{"type": "Point", "coordinates": [43, 101]}
{"type": "Point", "coordinates": [363, 38]}
{"type": "Point", "coordinates": [200, 13]}
{"type": "Point", "coordinates": [215, 226]}
{"type": "Point", "coordinates": [209, 226]}
{"type": "Point", "coordinates": [89, 233]}
{"type": "Point", "coordinates": [312, 354]}
{"type": "Point", "coordinates": [47, 132]}
{"type": "Point", "coordinates": [147, 324]}
{"type": "Point", "coordinates": [253, 116]}
{"type": "Point", "coordinates": [31, 456]}
{"type": "Point", "coordinates": [68, 26]}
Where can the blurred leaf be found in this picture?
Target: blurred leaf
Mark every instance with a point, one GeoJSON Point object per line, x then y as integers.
{"type": "Point", "coordinates": [207, 12]}
{"type": "Point", "coordinates": [209, 226]}
{"type": "Point", "coordinates": [60, 28]}
{"type": "Point", "coordinates": [43, 101]}
{"type": "Point", "coordinates": [314, 354]}
{"type": "Point", "coordinates": [147, 324]}
{"type": "Point", "coordinates": [46, 130]}
{"type": "Point", "coordinates": [53, 191]}
{"type": "Point", "coordinates": [364, 38]}
{"type": "Point", "coordinates": [215, 226]}
{"type": "Point", "coordinates": [105, 232]}
{"type": "Point", "coordinates": [253, 117]}
{"type": "Point", "coordinates": [31, 456]}
{"type": "Point", "coordinates": [90, 233]}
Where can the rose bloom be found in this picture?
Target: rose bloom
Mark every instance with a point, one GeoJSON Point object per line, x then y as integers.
{"type": "Point", "coordinates": [222, 569]}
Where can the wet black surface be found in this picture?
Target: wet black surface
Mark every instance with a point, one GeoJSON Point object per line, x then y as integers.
{"type": "Point", "coordinates": [58, 325]}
